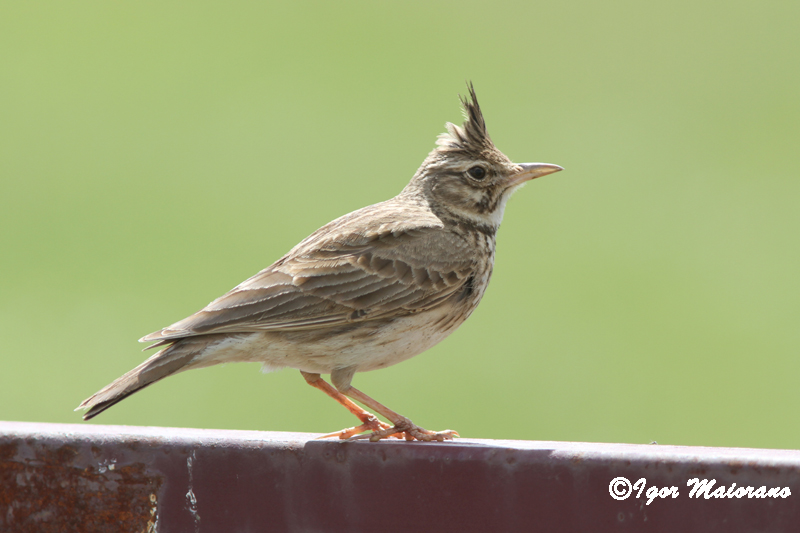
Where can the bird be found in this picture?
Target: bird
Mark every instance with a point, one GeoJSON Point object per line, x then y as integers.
{"type": "Point", "coordinates": [366, 291]}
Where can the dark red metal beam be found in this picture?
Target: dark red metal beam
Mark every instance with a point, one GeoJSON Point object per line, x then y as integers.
{"type": "Point", "coordinates": [63, 478]}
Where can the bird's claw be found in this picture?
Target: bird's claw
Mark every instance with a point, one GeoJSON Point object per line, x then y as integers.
{"type": "Point", "coordinates": [410, 431]}
{"type": "Point", "coordinates": [370, 424]}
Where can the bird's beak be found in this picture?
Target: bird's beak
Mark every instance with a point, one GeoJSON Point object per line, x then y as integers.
{"type": "Point", "coordinates": [530, 171]}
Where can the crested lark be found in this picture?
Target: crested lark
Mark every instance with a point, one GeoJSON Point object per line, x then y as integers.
{"type": "Point", "coordinates": [366, 291]}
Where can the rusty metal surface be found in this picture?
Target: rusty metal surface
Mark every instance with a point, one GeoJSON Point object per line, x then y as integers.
{"type": "Point", "coordinates": [56, 477]}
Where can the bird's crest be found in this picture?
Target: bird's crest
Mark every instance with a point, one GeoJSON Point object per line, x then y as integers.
{"type": "Point", "coordinates": [472, 136]}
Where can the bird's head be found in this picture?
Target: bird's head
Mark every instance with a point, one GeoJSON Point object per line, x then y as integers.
{"type": "Point", "coordinates": [467, 176]}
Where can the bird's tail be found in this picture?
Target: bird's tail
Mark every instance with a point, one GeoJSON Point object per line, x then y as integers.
{"type": "Point", "coordinates": [167, 361]}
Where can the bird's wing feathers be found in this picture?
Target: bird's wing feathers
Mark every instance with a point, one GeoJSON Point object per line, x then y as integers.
{"type": "Point", "coordinates": [347, 271]}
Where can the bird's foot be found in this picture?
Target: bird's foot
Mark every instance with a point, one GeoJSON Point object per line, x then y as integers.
{"type": "Point", "coordinates": [370, 424]}
{"type": "Point", "coordinates": [405, 428]}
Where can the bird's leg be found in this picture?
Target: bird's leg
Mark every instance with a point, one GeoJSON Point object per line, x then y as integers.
{"type": "Point", "coordinates": [369, 421]}
{"type": "Point", "coordinates": [402, 425]}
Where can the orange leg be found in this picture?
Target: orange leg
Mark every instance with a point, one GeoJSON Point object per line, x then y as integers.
{"type": "Point", "coordinates": [369, 421]}
{"type": "Point", "coordinates": [402, 425]}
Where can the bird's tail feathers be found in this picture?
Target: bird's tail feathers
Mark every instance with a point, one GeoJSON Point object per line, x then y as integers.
{"type": "Point", "coordinates": [165, 362]}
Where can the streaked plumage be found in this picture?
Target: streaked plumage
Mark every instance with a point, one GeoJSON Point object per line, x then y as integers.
{"type": "Point", "coordinates": [366, 291]}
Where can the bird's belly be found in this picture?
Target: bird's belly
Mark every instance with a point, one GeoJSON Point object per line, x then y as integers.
{"type": "Point", "coordinates": [366, 345]}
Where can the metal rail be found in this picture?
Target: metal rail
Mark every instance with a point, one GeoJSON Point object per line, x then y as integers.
{"type": "Point", "coordinates": [59, 477]}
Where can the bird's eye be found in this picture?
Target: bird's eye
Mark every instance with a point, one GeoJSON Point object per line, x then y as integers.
{"type": "Point", "coordinates": [477, 173]}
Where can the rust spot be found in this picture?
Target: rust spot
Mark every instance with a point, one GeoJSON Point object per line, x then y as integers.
{"type": "Point", "coordinates": [341, 456]}
{"type": "Point", "coordinates": [49, 493]}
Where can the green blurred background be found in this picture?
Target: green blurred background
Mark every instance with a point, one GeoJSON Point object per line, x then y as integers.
{"type": "Point", "coordinates": [153, 155]}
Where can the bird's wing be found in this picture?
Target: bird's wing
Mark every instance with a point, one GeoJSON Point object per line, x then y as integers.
{"type": "Point", "coordinates": [347, 271]}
